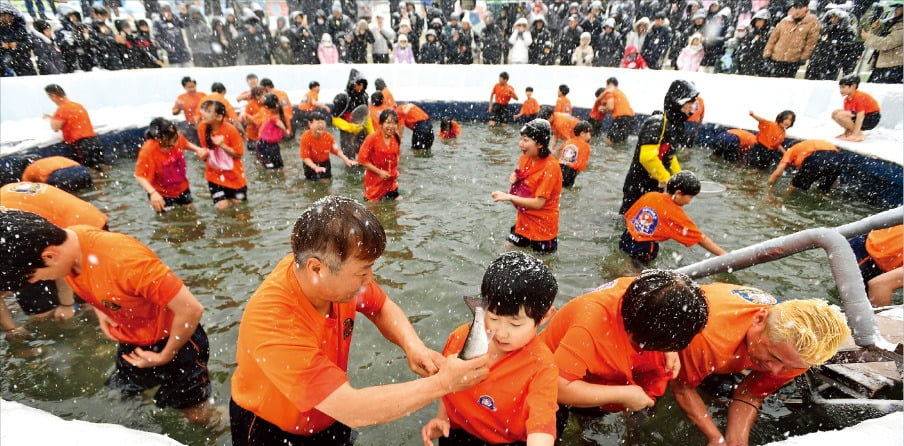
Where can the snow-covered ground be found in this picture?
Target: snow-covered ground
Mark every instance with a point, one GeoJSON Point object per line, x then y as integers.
{"type": "Point", "coordinates": [884, 431]}
{"type": "Point", "coordinates": [126, 99]}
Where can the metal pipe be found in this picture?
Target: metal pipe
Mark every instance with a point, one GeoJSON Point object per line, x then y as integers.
{"type": "Point", "coordinates": [881, 220]}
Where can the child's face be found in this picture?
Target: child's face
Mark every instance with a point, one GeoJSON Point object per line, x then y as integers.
{"type": "Point", "coordinates": [847, 90]}
{"type": "Point", "coordinates": [190, 87]}
{"type": "Point", "coordinates": [389, 126]}
{"type": "Point", "coordinates": [682, 199]}
{"type": "Point", "coordinates": [317, 126]}
{"type": "Point", "coordinates": [787, 123]}
{"type": "Point", "coordinates": [528, 93]}
{"type": "Point", "coordinates": [167, 142]}
{"type": "Point", "coordinates": [585, 136]}
{"type": "Point", "coordinates": [503, 80]}
{"type": "Point", "coordinates": [209, 116]}
{"type": "Point", "coordinates": [528, 146]}
{"type": "Point", "coordinates": [510, 333]}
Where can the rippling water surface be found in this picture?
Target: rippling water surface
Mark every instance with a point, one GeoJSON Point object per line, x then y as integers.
{"type": "Point", "coordinates": [440, 238]}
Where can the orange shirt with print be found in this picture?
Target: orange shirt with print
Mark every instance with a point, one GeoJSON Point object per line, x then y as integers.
{"type": "Point", "coordinates": [799, 152]}
{"type": "Point", "coordinates": [596, 113]}
{"type": "Point", "coordinates": [530, 107]}
{"type": "Point", "coordinates": [410, 114]}
{"type": "Point", "coordinates": [388, 99]}
{"type": "Point", "coordinates": [503, 94]}
{"type": "Point", "coordinates": [699, 110]}
{"type": "Point", "coordinates": [771, 135]}
{"type": "Point", "coordinates": [235, 177]}
{"type": "Point", "coordinates": [860, 102]}
{"type": "Point", "coordinates": [307, 103]}
{"type": "Point", "coordinates": [746, 139]}
{"type": "Point", "coordinates": [451, 133]}
{"type": "Point", "coordinates": [125, 280]}
{"type": "Point", "coordinates": [40, 170]}
{"type": "Point", "coordinates": [620, 106]}
{"type": "Point", "coordinates": [563, 105]}
{"type": "Point", "coordinates": [317, 149]}
{"type": "Point", "coordinates": [164, 170]}
{"type": "Point", "coordinates": [76, 122]}
{"type": "Point", "coordinates": [656, 218]}
{"type": "Point", "coordinates": [575, 153]}
{"type": "Point", "coordinates": [56, 205]}
{"type": "Point", "coordinates": [588, 339]}
{"type": "Point", "coordinates": [230, 112]}
{"type": "Point", "coordinates": [386, 157]}
{"type": "Point", "coordinates": [518, 397]}
{"type": "Point", "coordinates": [543, 178]}
{"type": "Point", "coordinates": [563, 125]}
{"type": "Point", "coordinates": [190, 105]}
{"type": "Point", "coordinates": [289, 356]}
{"type": "Point", "coordinates": [721, 347]}
{"type": "Point", "coordinates": [885, 247]}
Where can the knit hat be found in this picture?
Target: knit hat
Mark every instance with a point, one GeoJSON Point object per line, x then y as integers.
{"type": "Point", "coordinates": [610, 22]}
{"type": "Point", "coordinates": [585, 35]}
{"type": "Point", "coordinates": [538, 130]}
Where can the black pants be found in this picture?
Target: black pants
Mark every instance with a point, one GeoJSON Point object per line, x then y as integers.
{"type": "Point", "coordinates": [461, 437]}
{"type": "Point", "coordinates": [621, 128]}
{"type": "Point", "coordinates": [89, 152]}
{"type": "Point", "coordinates": [422, 136]}
{"type": "Point", "coordinates": [249, 429]}
{"type": "Point", "coordinates": [760, 157]}
{"type": "Point", "coordinates": [568, 175]}
{"type": "Point", "coordinates": [784, 69]}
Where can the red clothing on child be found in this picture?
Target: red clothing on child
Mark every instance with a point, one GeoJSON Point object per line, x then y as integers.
{"type": "Point", "coordinates": [164, 170]}
{"type": "Point", "coordinates": [374, 150]}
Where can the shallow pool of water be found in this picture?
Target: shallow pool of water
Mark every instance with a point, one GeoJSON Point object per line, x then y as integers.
{"type": "Point", "coordinates": [440, 238]}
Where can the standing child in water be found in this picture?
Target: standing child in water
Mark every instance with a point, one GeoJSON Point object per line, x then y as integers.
{"type": "Point", "coordinates": [316, 145]}
{"type": "Point", "coordinates": [225, 171]}
{"type": "Point", "coordinates": [502, 94]}
{"type": "Point", "coordinates": [521, 389]}
{"type": "Point", "coordinates": [575, 153]}
{"type": "Point", "coordinates": [379, 154]}
{"type": "Point", "coordinates": [563, 104]}
{"type": "Point", "coordinates": [272, 130]}
{"type": "Point", "coordinates": [529, 108]}
{"type": "Point", "coordinates": [160, 169]}
{"type": "Point", "coordinates": [768, 149]}
{"type": "Point", "coordinates": [536, 186]}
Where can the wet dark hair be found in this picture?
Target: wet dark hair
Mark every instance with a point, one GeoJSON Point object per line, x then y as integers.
{"type": "Point", "coordinates": [271, 101]}
{"type": "Point", "coordinates": [785, 115]}
{"type": "Point", "coordinates": [612, 80]}
{"type": "Point", "coordinates": [316, 116]}
{"type": "Point", "coordinates": [386, 114]}
{"type": "Point", "coordinates": [376, 99]}
{"type": "Point", "coordinates": [564, 89]}
{"type": "Point", "coordinates": [55, 90]}
{"type": "Point", "coordinates": [516, 280]}
{"type": "Point", "coordinates": [529, 89]}
{"type": "Point", "coordinates": [160, 128]}
{"type": "Point", "coordinates": [663, 310]}
{"type": "Point", "coordinates": [545, 112]}
{"type": "Point", "coordinates": [218, 87]}
{"type": "Point", "coordinates": [25, 236]}
{"type": "Point", "coordinates": [582, 127]}
{"type": "Point", "coordinates": [335, 229]}
{"type": "Point", "coordinates": [250, 76]}
{"type": "Point", "coordinates": [598, 92]}
{"type": "Point", "coordinates": [313, 84]}
{"type": "Point", "coordinates": [188, 79]}
{"type": "Point", "coordinates": [849, 80]}
{"type": "Point", "coordinates": [504, 75]}
{"type": "Point", "coordinates": [539, 131]}
{"type": "Point", "coordinates": [218, 107]}
{"type": "Point", "coordinates": [258, 92]}
{"type": "Point", "coordinates": [445, 124]}
{"type": "Point", "coordinates": [266, 83]}
{"type": "Point", "coordinates": [685, 181]}
{"type": "Point", "coordinates": [379, 83]}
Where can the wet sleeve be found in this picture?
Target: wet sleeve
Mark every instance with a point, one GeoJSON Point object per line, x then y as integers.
{"type": "Point", "coordinates": [541, 401]}
{"type": "Point", "coordinates": [571, 354]}
{"type": "Point", "coordinates": [549, 181]}
{"type": "Point", "coordinates": [144, 167]}
{"type": "Point", "coordinates": [364, 151]}
{"type": "Point", "coordinates": [145, 275]}
{"type": "Point", "coordinates": [371, 301]}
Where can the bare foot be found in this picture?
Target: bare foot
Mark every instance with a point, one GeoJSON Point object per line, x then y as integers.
{"type": "Point", "coordinates": [857, 137]}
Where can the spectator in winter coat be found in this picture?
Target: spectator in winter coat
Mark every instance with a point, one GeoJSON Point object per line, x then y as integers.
{"type": "Point", "coordinates": [200, 38]}
{"type": "Point", "coordinates": [638, 34]}
{"type": "Point", "coordinates": [432, 50]}
{"type": "Point", "coordinates": [47, 52]}
{"type": "Point", "coordinates": [148, 53]}
{"type": "Point", "coordinates": [888, 40]}
{"type": "Point", "coordinates": [318, 25]}
{"type": "Point", "coordinates": [327, 53]}
{"type": "Point", "coordinates": [15, 43]}
{"type": "Point", "coordinates": [692, 55]}
{"type": "Point", "coordinates": [569, 39]}
{"type": "Point", "coordinates": [306, 49]}
{"type": "Point", "coordinates": [254, 46]}
{"type": "Point", "coordinates": [104, 48]}
{"type": "Point", "coordinates": [633, 60]}
{"type": "Point", "coordinates": [836, 44]}
{"type": "Point", "coordinates": [127, 45]}
{"type": "Point", "coordinates": [337, 22]}
{"type": "Point", "coordinates": [493, 41]}
{"type": "Point", "coordinates": [383, 37]}
{"type": "Point", "coordinates": [402, 52]}
{"type": "Point", "coordinates": [610, 45]}
{"type": "Point", "coordinates": [583, 54]}
{"type": "Point", "coordinates": [694, 25]}
{"type": "Point", "coordinates": [539, 33]}
{"type": "Point", "coordinates": [749, 54]}
{"type": "Point", "coordinates": [657, 42]}
{"type": "Point", "coordinates": [714, 34]}
{"type": "Point", "coordinates": [223, 45]}
{"type": "Point", "coordinates": [520, 43]}
{"type": "Point", "coordinates": [792, 41]}
{"type": "Point", "coordinates": [284, 54]}
{"type": "Point", "coordinates": [361, 37]}
{"type": "Point", "coordinates": [168, 33]}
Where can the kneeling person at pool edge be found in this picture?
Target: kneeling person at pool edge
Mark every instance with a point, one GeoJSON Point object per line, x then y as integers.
{"type": "Point", "coordinates": [517, 401]}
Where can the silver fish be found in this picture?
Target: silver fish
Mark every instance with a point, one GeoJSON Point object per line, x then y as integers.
{"type": "Point", "coordinates": [477, 342]}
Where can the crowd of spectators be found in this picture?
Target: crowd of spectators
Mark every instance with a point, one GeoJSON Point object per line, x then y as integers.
{"type": "Point", "coordinates": [780, 39]}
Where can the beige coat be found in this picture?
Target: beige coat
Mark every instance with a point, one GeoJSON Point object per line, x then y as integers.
{"type": "Point", "coordinates": [791, 41]}
{"type": "Point", "coordinates": [890, 47]}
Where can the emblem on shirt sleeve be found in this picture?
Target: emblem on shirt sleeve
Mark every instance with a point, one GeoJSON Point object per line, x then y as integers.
{"type": "Point", "coordinates": [347, 326]}
{"type": "Point", "coordinates": [755, 296]}
{"type": "Point", "coordinates": [487, 401]}
{"type": "Point", "coordinates": [645, 221]}
{"type": "Point", "coordinates": [27, 188]}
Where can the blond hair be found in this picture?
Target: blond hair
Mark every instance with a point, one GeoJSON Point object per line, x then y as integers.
{"type": "Point", "coordinates": [815, 328]}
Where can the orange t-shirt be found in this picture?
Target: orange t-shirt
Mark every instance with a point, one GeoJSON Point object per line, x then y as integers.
{"type": "Point", "coordinates": [387, 97]}
{"type": "Point", "coordinates": [543, 178]}
{"type": "Point", "coordinates": [56, 205]}
{"type": "Point", "coordinates": [885, 247]}
{"type": "Point", "coordinates": [125, 280]}
{"type": "Point", "coordinates": [588, 339]}
{"type": "Point", "coordinates": [289, 356]}
{"type": "Point", "coordinates": [563, 125]}
{"type": "Point", "coordinates": [230, 112]}
{"type": "Point", "coordinates": [598, 103]}
{"type": "Point", "coordinates": [575, 153]}
{"type": "Point", "coordinates": [530, 107]}
{"type": "Point", "coordinates": [451, 133]}
{"type": "Point", "coordinates": [76, 122]}
{"type": "Point", "coordinates": [621, 106]}
{"type": "Point", "coordinates": [191, 106]}
{"type": "Point", "coordinates": [721, 347]}
{"type": "Point", "coordinates": [374, 112]}
{"type": "Point", "coordinates": [655, 217]}
{"type": "Point", "coordinates": [375, 151]}
{"type": "Point", "coordinates": [745, 138]}
{"type": "Point", "coordinates": [317, 149]}
{"type": "Point", "coordinates": [860, 102]}
{"type": "Point", "coordinates": [286, 105]}
{"type": "Point", "coordinates": [234, 178]}
{"type": "Point", "coordinates": [699, 110]}
{"type": "Point", "coordinates": [518, 397]}
{"type": "Point", "coordinates": [771, 135]}
{"type": "Point", "coordinates": [503, 94]}
{"type": "Point", "coordinates": [258, 115]}
{"type": "Point", "coordinates": [307, 103]}
{"type": "Point", "coordinates": [799, 152]}
{"type": "Point", "coordinates": [165, 170]}
{"type": "Point", "coordinates": [40, 170]}
{"type": "Point", "coordinates": [410, 114]}
{"type": "Point", "coordinates": [563, 105]}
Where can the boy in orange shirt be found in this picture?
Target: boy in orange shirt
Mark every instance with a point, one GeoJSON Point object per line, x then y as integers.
{"type": "Point", "coordinates": [316, 145]}
{"type": "Point", "coordinates": [880, 255]}
{"type": "Point", "coordinates": [225, 171]}
{"type": "Point", "coordinates": [72, 120]}
{"type": "Point", "coordinates": [616, 103]}
{"type": "Point", "coordinates": [502, 94]}
{"type": "Point", "coordinates": [657, 217]}
{"type": "Point", "coordinates": [860, 112]}
{"type": "Point", "coordinates": [575, 153]}
{"type": "Point", "coordinates": [529, 108]}
{"type": "Point", "coordinates": [597, 112]}
{"type": "Point", "coordinates": [189, 103]}
{"type": "Point", "coordinates": [517, 401]}
{"type": "Point", "coordinates": [380, 87]}
{"type": "Point", "coordinates": [768, 149]}
{"type": "Point", "coordinates": [733, 144]}
{"type": "Point", "coordinates": [416, 119]}
{"type": "Point", "coordinates": [561, 124]}
{"type": "Point", "coordinates": [160, 168]}
{"type": "Point", "coordinates": [563, 104]}
{"type": "Point", "coordinates": [138, 301]}
{"type": "Point", "coordinates": [58, 171]}
{"type": "Point", "coordinates": [816, 161]}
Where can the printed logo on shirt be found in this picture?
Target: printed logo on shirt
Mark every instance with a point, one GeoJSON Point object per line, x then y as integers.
{"type": "Point", "coordinates": [487, 401]}
{"type": "Point", "coordinates": [755, 296]}
{"type": "Point", "coordinates": [110, 305]}
{"type": "Point", "coordinates": [604, 286]}
{"type": "Point", "coordinates": [645, 221]}
{"type": "Point", "coordinates": [347, 326]}
{"type": "Point", "coordinates": [569, 153]}
{"type": "Point", "coordinates": [26, 188]}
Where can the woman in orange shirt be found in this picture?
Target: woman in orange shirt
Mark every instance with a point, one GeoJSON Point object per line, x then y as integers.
{"type": "Point", "coordinates": [768, 150]}
{"type": "Point", "coordinates": [536, 186]}
{"type": "Point", "coordinates": [379, 154]}
{"type": "Point", "coordinates": [160, 169]}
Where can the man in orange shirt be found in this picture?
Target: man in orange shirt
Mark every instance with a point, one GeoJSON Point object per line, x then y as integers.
{"type": "Point", "coordinates": [291, 385]}
{"type": "Point", "coordinates": [502, 94]}
{"type": "Point", "coordinates": [284, 103]}
{"type": "Point", "coordinates": [139, 302]}
{"type": "Point", "coordinates": [575, 153]}
{"type": "Point", "coordinates": [861, 111]}
{"type": "Point", "coordinates": [748, 330]}
{"type": "Point", "coordinates": [563, 104]}
{"type": "Point", "coordinates": [529, 108]}
{"type": "Point", "coordinates": [880, 255]}
{"type": "Point", "coordinates": [816, 161]}
{"type": "Point", "coordinates": [58, 171]}
{"type": "Point", "coordinates": [73, 121]}
{"type": "Point", "coordinates": [610, 344]}
{"type": "Point", "coordinates": [316, 145]}
{"type": "Point", "coordinates": [416, 119]}
{"type": "Point", "coordinates": [189, 103]}
{"type": "Point", "coordinates": [618, 107]}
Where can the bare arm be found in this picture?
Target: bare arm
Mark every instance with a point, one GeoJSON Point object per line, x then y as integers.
{"type": "Point", "coordinates": [187, 315]}
{"type": "Point", "coordinates": [396, 328]}
{"type": "Point", "coordinates": [696, 411]}
{"type": "Point", "coordinates": [157, 201]}
{"type": "Point", "coordinates": [742, 414]}
{"type": "Point", "coordinates": [56, 125]}
{"type": "Point", "coordinates": [858, 122]}
{"type": "Point", "coordinates": [758, 118]}
{"type": "Point", "coordinates": [540, 439]}
{"type": "Point", "coordinates": [779, 170]}
{"type": "Point", "coordinates": [580, 393]}
{"type": "Point", "coordinates": [880, 288]}
{"type": "Point", "coordinates": [529, 203]}
{"type": "Point", "coordinates": [711, 246]}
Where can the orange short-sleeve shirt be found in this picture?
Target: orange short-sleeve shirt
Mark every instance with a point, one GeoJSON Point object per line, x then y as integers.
{"type": "Point", "coordinates": [76, 122]}
{"type": "Point", "coordinates": [165, 170]}
{"type": "Point", "coordinates": [885, 247]}
{"type": "Point", "coordinates": [799, 152]}
{"type": "Point", "coordinates": [518, 397]}
{"type": "Point", "coordinates": [721, 347]}
{"type": "Point", "coordinates": [258, 114]}
{"type": "Point", "coordinates": [191, 105]}
{"type": "Point", "coordinates": [563, 125]}
{"type": "Point", "coordinates": [655, 217]}
{"type": "Point", "coordinates": [588, 339]}
{"type": "Point", "coordinates": [563, 105]}
{"type": "Point", "coordinates": [410, 114]}
{"type": "Point", "coordinates": [56, 205]}
{"type": "Point", "coordinates": [771, 135]}
{"type": "Point", "coordinates": [451, 133]}
{"type": "Point", "coordinates": [620, 106]}
{"type": "Point", "coordinates": [40, 170]}
{"type": "Point", "coordinates": [530, 107]}
{"type": "Point", "coordinates": [388, 99]}
{"type": "Point", "coordinates": [503, 94]}
{"type": "Point", "coordinates": [595, 112]}
{"type": "Point", "coordinates": [307, 103]}
{"type": "Point", "coordinates": [235, 177]}
{"type": "Point", "coordinates": [575, 153]}
{"type": "Point", "coordinates": [543, 177]}
{"type": "Point", "coordinates": [860, 102]}
{"type": "Point", "coordinates": [289, 356]}
{"type": "Point", "coordinates": [374, 150]}
{"type": "Point", "coordinates": [317, 149]}
{"type": "Point", "coordinates": [125, 280]}
{"type": "Point", "coordinates": [746, 139]}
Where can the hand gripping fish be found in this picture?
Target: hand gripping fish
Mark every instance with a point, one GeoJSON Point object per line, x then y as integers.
{"type": "Point", "coordinates": [478, 341]}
